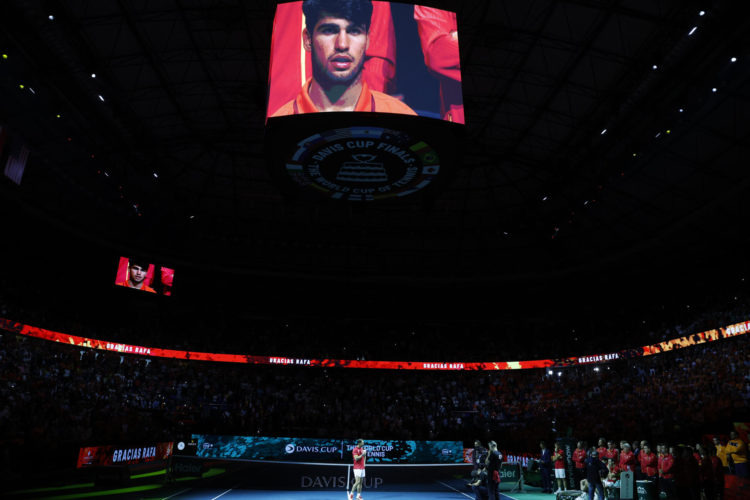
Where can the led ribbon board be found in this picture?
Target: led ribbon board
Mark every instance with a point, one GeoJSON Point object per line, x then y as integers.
{"type": "Point", "coordinates": [729, 331]}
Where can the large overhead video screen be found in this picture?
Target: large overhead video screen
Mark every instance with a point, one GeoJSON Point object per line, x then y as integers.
{"type": "Point", "coordinates": [358, 55]}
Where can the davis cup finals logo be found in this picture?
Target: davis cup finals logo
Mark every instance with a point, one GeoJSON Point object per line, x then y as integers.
{"type": "Point", "coordinates": [363, 163]}
{"type": "Point", "coordinates": [289, 448]}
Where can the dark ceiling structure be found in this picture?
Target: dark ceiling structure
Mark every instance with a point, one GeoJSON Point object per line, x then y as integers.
{"type": "Point", "coordinates": [599, 134]}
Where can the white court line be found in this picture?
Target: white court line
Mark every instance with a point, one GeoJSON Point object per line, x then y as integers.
{"type": "Point", "coordinates": [230, 489]}
{"type": "Point", "coordinates": [454, 489]}
{"type": "Point", "coordinates": [178, 493]}
{"type": "Point", "coordinates": [507, 496]}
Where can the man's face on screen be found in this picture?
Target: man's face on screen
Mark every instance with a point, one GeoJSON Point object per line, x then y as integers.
{"type": "Point", "coordinates": [338, 50]}
{"type": "Point", "coordinates": [137, 274]}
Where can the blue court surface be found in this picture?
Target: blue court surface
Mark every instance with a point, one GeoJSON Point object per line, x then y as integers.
{"type": "Point", "coordinates": [239, 493]}
{"type": "Point", "coordinates": [229, 480]}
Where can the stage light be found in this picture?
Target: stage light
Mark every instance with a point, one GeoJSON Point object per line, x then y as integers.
{"type": "Point", "coordinates": [549, 372]}
{"type": "Point", "coordinates": [32, 90]}
{"type": "Point", "coordinates": [21, 86]}
{"type": "Point", "coordinates": [101, 98]}
{"type": "Point", "coordinates": [702, 13]}
{"type": "Point", "coordinates": [559, 374]}
{"type": "Point", "coordinates": [544, 199]}
{"type": "Point", "coordinates": [692, 30]}
{"type": "Point", "coordinates": [635, 154]}
{"type": "Point", "coordinates": [669, 131]}
{"type": "Point", "coordinates": [191, 217]}
{"type": "Point", "coordinates": [106, 174]}
{"type": "Point", "coordinates": [51, 17]}
{"type": "Point", "coordinates": [5, 56]}
{"type": "Point", "coordinates": [93, 75]}
{"type": "Point", "coordinates": [156, 176]}
{"type": "Point", "coordinates": [681, 110]}
{"type": "Point", "coordinates": [714, 90]}
{"type": "Point", "coordinates": [58, 116]}
{"type": "Point", "coordinates": [654, 67]}
{"type": "Point", "coordinates": [734, 59]}
{"type": "Point", "coordinates": [603, 131]}
{"type": "Point", "coordinates": [596, 368]}
{"type": "Point", "coordinates": [658, 134]}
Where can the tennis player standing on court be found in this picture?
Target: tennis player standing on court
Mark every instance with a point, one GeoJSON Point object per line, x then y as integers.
{"type": "Point", "coordinates": [359, 453]}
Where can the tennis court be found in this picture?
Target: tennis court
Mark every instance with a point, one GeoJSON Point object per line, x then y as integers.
{"type": "Point", "coordinates": [286, 481]}
{"type": "Point", "coordinates": [316, 481]}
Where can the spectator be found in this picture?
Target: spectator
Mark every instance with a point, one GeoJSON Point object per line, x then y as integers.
{"type": "Point", "coordinates": [736, 451]}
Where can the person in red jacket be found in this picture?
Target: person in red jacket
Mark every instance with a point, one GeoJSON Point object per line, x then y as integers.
{"type": "Point", "coordinates": [558, 458]}
{"type": "Point", "coordinates": [666, 473]}
{"type": "Point", "coordinates": [602, 449]}
{"type": "Point", "coordinates": [438, 34]}
{"type": "Point", "coordinates": [612, 452]}
{"type": "Point", "coordinates": [337, 36]}
{"type": "Point", "coordinates": [627, 458]}
{"type": "Point", "coordinates": [291, 64]}
{"type": "Point", "coordinates": [137, 276]}
{"type": "Point", "coordinates": [649, 463]}
{"type": "Point", "coordinates": [579, 459]}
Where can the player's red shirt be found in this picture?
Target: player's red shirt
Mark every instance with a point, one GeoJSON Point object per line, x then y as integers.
{"type": "Point", "coordinates": [649, 463]}
{"type": "Point", "coordinates": [560, 461]}
{"type": "Point", "coordinates": [627, 461]}
{"type": "Point", "coordinates": [602, 451]}
{"type": "Point", "coordinates": [358, 464]}
{"type": "Point", "coordinates": [436, 30]}
{"type": "Point", "coordinates": [579, 457]}
{"type": "Point", "coordinates": [143, 287]}
{"type": "Point", "coordinates": [666, 462]}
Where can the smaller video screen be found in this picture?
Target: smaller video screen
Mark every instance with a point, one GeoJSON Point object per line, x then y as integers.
{"type": "Point", "coordinates": [145, 276]}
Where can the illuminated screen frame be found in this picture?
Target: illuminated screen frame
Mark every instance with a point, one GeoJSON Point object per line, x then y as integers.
{"type": "Point", "coordinates": [729, 331]}
{"type": "Point", "coordinates": [412, 53]}
{"type": "Point", "coordinates": [164, 275]}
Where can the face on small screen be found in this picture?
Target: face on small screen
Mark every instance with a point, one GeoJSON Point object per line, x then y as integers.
{"type": "Point", "coordinates": [365, 56]}
{"type": "Point", "coordinates": [144, 276]}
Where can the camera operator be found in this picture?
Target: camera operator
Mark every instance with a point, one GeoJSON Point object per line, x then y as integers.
{"type": "Point", "coordinates": [479, 485]}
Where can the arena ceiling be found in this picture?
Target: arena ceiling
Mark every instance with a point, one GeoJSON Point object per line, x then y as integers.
{"type": "Point", "coordinates": [599, 134]}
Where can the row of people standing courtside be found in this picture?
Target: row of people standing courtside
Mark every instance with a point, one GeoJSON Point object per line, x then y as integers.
{"type": "Point", "coordinates": [677, 471]}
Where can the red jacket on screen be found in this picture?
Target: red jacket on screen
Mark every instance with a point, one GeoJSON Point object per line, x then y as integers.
{"type": "Point", "coordinates": [291, 64]}
{"type": "Point", "coordinates": [369, 100]}
{"type": "Point", "coordinates": [438, 34]}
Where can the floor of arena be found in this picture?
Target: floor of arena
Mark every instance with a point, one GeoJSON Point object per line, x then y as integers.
{"type": "Point", "coordinates": [234, 483]}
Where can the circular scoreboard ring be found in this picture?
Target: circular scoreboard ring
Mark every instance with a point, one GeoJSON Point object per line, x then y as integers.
{"type": "Point", "coordinates": [360, 157]}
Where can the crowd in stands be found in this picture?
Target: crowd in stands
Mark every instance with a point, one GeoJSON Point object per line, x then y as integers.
{"type": "Point", "coordinates": [59, 397]}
